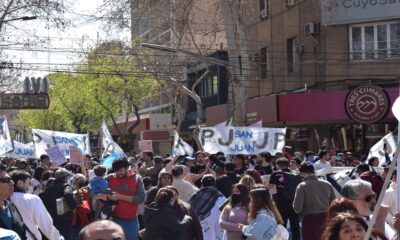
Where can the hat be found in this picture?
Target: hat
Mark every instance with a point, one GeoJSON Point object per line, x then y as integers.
{"type": "Point", "coordinates": [62, 173]}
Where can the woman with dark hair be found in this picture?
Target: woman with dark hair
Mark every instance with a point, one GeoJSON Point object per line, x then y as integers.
{"type": "Point", "coordinates": [235, 212]}
{"type": "Point", "coordinates": [263, 216]}
{"type": "Point", "coordinates": [345, 226]}
{"type": "Point", "coordinates": [36, 182]}
{"type": "Point", "coordinates": [164, 179]}
{"type": "Point", "coordinates": [254, 174]}
{"type": "Point", "coordinates": [181, 209]}
{"type": "Point", "coordinates": [160, 218]}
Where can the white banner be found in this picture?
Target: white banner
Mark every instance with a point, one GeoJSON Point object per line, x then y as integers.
{"type": "Point", "coordinates": [242, 140]}
{"type": "Point", "coordinates": [181, 147]}
{"type": "Point", "coordinates": [108, 143]}
{"type": "Point", "coordinates": [377, 149]}
{"type": "Point", "coordinates": [5, 138]}
{"type": "Point", "coordinates": [44, 139]}
{"type": "Point", "coordinates": [21, 150]}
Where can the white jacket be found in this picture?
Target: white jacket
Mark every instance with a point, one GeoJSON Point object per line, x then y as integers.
{"type": "Point", "coordinates": [35, 216]}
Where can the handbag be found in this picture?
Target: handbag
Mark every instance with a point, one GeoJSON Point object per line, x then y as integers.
{"type": "Point", "coordinates": [281, 233]}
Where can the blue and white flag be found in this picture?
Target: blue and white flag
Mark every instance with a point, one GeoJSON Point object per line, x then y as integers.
{"type": "Point", "coordinates": [108, 143]}
{"type": "Point", "coordinates": [6, 144]}
{"type": "Point", "coordinates": [181, 147]}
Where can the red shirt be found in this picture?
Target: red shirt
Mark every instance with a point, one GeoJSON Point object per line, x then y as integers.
{"type": "Point", "coordinates": [125, 186]}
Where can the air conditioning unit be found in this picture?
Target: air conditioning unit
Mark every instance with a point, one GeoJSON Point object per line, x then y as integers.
{"type": "Point", "coordinates": [289, 3]}
{"type": "Point", "coordinates": [311, 28]}
{"type": "Point", "coordinates": [263, 13]}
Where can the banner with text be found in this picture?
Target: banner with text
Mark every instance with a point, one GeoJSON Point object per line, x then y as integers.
{"type": "Point", "coordinates": [5, 138]}
{"type": "Point", "coordinates": [242, 140]}
{"type": "Point", "coordinates": [44, 139]}
{"type": "Point", "coordinates": [21, 150]}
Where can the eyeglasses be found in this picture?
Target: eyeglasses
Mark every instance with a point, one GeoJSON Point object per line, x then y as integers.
{"type": "Point", "coordinates": [5, 180]}
{"type": "Point", "coordinates": [369, 198]}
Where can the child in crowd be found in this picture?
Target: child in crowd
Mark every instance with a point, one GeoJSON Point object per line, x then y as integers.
{"type": "Point", "coordinates": [99, 185]}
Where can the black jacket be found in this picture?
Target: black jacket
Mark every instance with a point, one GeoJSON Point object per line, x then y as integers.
{"type": "Point", "coordinates": [224, 183]}
{"type": "Point", "coordinates": [56, 190]}
{"type": "Point", "coordinates": [162, 224]}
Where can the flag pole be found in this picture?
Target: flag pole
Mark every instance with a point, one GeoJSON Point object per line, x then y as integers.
{"type": "Point", "coordinates": [382, 193]}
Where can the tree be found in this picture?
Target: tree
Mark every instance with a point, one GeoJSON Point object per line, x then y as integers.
{"type": "Point", "coordinates": [104, 86]}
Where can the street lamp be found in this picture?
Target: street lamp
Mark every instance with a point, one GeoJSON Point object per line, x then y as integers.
{"type": "Point", "coordinates": [176, 50]}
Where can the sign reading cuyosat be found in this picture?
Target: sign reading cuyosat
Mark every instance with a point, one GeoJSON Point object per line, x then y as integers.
{"type": "Point", "coordinates": [242, 140]}
{"type": "Point", "coordinates": [356, 11]}
{"type": "Point", "coordinates": [44, 139]}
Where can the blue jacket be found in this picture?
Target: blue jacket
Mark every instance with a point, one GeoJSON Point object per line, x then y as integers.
{"type": "Point", "coordinates": [261, 228]}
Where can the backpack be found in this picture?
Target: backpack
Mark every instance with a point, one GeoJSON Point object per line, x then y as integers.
{"type": "Point", "coordinates": [292, 180]}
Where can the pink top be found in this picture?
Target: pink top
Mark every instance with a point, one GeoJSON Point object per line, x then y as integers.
{"type": "Point", "coordinates": [229, 221]}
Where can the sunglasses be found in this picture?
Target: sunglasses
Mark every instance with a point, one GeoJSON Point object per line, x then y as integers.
{"type": "Point", "coordinates": [369, 198]}
{"type": "Point", "coordinates": [5, 180]}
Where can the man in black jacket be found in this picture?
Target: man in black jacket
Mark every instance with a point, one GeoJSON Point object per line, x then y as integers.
{"type": "Point", "coordinates": [225, 182]}
{"type": "Point", "coordinates": [60, 189]}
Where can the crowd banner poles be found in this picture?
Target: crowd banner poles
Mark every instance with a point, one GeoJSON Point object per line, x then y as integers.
{"type": "Point", "coordinates": [381, 195]}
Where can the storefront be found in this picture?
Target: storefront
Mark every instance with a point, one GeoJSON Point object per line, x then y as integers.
{"type": "Point", "coordinates": [312, 117]}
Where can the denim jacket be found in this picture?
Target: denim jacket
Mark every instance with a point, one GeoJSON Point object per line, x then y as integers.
{"type": "Point", "coordinates": [261, 228]}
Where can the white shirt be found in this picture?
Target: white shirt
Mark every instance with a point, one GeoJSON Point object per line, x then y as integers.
{"type": "Point", "coordinates": [320, 165]}
{"type": "Point", "coordinates": [35, 216]}
{"type": "Point", "coordinates": [185, 188]}
{"type": "Point", "coordinates": [210, 225]}
{"type": "Point", "coordinates": [390, 201]}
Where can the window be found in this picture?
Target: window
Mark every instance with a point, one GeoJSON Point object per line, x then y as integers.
{"type": "Point", "coordinates": [263, 63]}
{"type": "Point", "coordinates": [291, 54]}
{"type": "Point", "coordinates": [209, 86]}
{"type": "Point", "coordinates": [374, 41]}
{"type": "Point", "coordinates": [264, 9]}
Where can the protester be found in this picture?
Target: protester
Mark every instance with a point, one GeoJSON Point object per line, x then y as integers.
{"type": "Point", "coordinates": [263, 163]}
{"type": "Point", "coordinates": [128, 190]}
{"type": "Point", "coordinates": [248, 181]}
{"type": "Point", "coordinates": [205, 202]}
{"type": "Point", "coordinates": [153, 171]}
{"type": "Point", "coordinates": [160, 219]}
{"type": "Point", "coordinates": [200, 168]}
{"type": "Point", "coordinates": [34, 213]}
{"type": "Point", "coordinates": [225, 182]}
{"type": "Point", "coordinates": [82, 213]}
{"type": "Point", "coordinates": [235, 212]}
{"type": "Point", "coordinates": [185, 188]}
{"type": "Point", "coordinates": [312, 199]}
{"type": "Point", "coordinates": [181, 210]}
{"type": "Point", "coordinates": [60, 192]}
{"type": "Point", "coordinates": [390, 200]}
{"type": "Point", "coordinates": [286, 182]}
{"type": "Point", "coordinates": [323, 161]}
{"type": "Point", "coordinates": [240, 165]}
{"type": "Point", "coordinates": [103, 229]}
{"type": "Point", "coordinates": [36, 182]}
{"type": "Point", "coordinates": [263, 216]}
{"type": "Point", "coordinates": [164, 179]}
{"type": "Point", "coordinates": [345, 226]}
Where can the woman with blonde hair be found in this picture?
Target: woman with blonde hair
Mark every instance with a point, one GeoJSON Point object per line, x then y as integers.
{"type": "Point", "coordinates": [248, 181]}
{"type": "Point", "coordinates": [263, 216]}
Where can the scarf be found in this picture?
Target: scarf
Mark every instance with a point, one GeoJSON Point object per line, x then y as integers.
{"type": "Point", "coordinates": [204, 200]}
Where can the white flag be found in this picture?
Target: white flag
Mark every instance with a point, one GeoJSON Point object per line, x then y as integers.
{"type": "Point", "coordinates": [256, 124]}
{"type": "Point", "coordinates": [396, 108]}
{"type": "Point", "coordinates": [6, 144]}
{"type": "Point", "coordinates": [181, 147]}
{"type": "Point", "coordinates": [108, 143]}
{"type": "Point", "coordinates": [377, 149]}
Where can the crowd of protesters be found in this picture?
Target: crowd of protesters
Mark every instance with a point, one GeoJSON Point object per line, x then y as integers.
{"type": "Point", "coordinates": [207, 196]}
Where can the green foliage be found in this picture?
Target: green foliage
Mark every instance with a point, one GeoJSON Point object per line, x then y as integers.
{"type": "Point", "coordinates": [107, 84]}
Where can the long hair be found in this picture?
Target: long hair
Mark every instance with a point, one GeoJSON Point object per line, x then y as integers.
{"type": "Point", "coordinates": [260, 198]}
{"type": "Point", "coordinates": [180, 202]}
{"type": "Point", "coordinates": [254, 174]}
{"type": "Point", "coordinates": [341, 205]}
{"type": "Point", "coordinates": [245, 198]}
{"type": "Point", "coordinates": [332, 230]}
{"type": "Point", "coordinates": [248, 181]}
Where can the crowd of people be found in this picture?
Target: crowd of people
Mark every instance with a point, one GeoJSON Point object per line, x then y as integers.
{"type": "Point", "coordinates": [207, 196]}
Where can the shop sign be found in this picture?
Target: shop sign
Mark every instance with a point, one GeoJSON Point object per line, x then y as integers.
{"type": "Point", "coordinates": [24, 101]}
{"type": "Point", "coordinates": [367, 104]}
